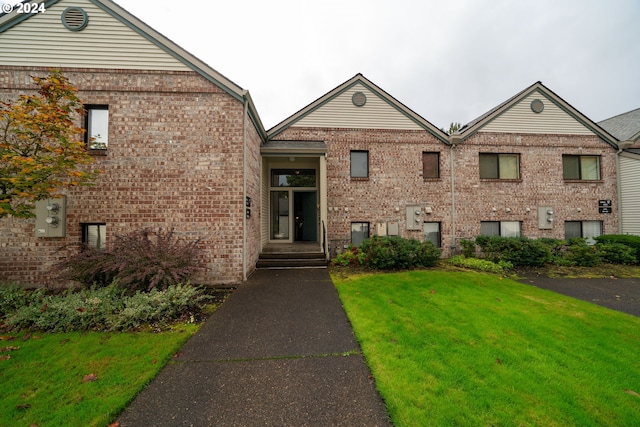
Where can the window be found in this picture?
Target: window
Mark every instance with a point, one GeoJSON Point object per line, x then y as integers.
{"type": "Point", "coordinates": [430, 165]}
{"type": "Point", "coordinates": [584, 229]}
{"type": "Point", "coordinates": [97, 127]}
{"type": "Point", "coordinates": [501, 228]}
{"type": "Point", "coordinates": [293, 178]}
{"type": "Point", "coordinates": [581, 167]}
{"type": "Point", "coordinates": [499, 166]}
{"type": "Point", "coordinates": [94, 236]}
{"type": "Point", "coordinates": [432, 233]}
{"type": "Point", "coordinates": [359, 164]}
{"type": "Point", "coordinates": [359, 232]}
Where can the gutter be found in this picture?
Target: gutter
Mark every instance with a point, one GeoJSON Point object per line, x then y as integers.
{"type": "Point", "coordinates": [454, 141]}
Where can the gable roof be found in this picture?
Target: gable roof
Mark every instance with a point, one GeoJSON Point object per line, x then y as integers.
{"type": "Point", "coordinates": [571, 120]}
{"type": "Point", "coordinates": [625, 126]}
{"type": "Point", "coordinates": [385, 103]}
{"type": "Point", "coordinates": [151, 37]}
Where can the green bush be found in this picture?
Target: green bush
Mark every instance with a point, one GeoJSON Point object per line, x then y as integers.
{"type": "Point", "coordinates": [582, 254]}
{"type": "Point", "coordinates": [468, 248]}
{"type": "Point", "coordinates": [12, 297]}
{"type": "Point", "coordinates": [625, 239]}
{"type": "Point", "coordinates": [106, 308]}
{"type": "Point", "coordinates": [519, 251]}
{"type": "Point", "coordinates": [616, 253]}
{"type": "Point", "coordinates": [142, 260]}
{"type": "Point", "coordinates": [395, 253]}
{"type": "Point", "coordinates": [481, 264]}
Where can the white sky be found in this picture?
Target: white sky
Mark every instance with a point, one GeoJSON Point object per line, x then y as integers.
{"type": "Point", "coordinates": [448, 60]}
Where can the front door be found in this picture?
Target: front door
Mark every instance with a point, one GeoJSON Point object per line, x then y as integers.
{"type": "Point", "coordinates": [306, 216]}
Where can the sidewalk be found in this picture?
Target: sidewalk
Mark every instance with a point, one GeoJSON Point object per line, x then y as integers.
{"type": "Point", "coordinates": [279, 352]}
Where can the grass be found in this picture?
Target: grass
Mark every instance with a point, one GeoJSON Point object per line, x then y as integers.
{"type": "Point", "coordinates": [79, 378]}
{"type": "Point", "coordinates": [465, 348]}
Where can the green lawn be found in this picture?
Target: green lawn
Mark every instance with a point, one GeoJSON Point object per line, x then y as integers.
{"type": "Point", "coordinates": [79, 379]}
{"type": "Point", "coordinates": [464, 348]}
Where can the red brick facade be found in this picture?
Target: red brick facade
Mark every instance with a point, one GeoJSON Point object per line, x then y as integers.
{"type": "Point", "coordinates": [174, 159]}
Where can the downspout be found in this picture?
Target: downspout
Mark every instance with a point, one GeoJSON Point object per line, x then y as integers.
{"type": "Point", "coordinates": [245, 94]}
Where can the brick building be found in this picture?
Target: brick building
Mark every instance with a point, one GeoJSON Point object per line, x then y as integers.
{"type": "Point", "coordinates": [178, 142]}
{"type": "Point", "coordinates": [182, 146]}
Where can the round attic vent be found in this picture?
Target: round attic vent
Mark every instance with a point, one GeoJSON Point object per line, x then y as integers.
{"type": "Point", "coordinates": [537, 106]}
{"type": "Point", "coordinates": [74, 18]}
{"type": "Point", "coordinates": [359, 99]}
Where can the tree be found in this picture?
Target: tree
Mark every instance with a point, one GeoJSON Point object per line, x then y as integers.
{"type": "Point", "coordinates": [41, 148]}
{"type": "Point", "coordinates": [454, 127]}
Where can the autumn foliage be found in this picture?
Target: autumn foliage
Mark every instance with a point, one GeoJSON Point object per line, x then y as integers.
{"type": "Point", "coordinates": [41, 147]}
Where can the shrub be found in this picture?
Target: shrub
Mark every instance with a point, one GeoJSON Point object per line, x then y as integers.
{"type": "Point", "coordinates": [142, 260]}
{"type": "Point", "coordinates": [106, 308]}
{"type": "Point", "coordinates": [350, 257]}
{"type": "Point", "coordinates": [395, 253]}
{"type": "Point", "coordinates": [582, 254]}
{"type": "Point", "coordinates": [480, 264]}
{"type": "Point", "coordinates": [12, 297]}
{"type": "Point", "coordinates": [519, 251]}
{"type": "Point", "coordinates": [468, 248]}
{"type": "Point", "coordinates": [625, 239]}
{"type": "Point", "coordinates": [617, 253]}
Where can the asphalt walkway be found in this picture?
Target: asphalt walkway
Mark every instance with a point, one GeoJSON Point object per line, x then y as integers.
{"type": "Point", "coordinates": [279, 352]}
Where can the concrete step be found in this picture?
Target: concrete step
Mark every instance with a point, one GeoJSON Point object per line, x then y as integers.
{"type": "Point", "coordinates": [291, 260]}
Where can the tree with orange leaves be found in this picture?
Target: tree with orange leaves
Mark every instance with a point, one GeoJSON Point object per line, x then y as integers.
{"type": "Point", "coordinates": [41, 148]}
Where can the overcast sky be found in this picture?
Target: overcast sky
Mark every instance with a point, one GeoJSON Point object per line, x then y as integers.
{"type": "Point", "coordinates": [448, 60]}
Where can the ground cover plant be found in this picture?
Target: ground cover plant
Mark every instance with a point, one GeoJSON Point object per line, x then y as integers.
{"type": "Point", "coordinates": [79, 378]}
{"type": "Point", "coordinates": [467, 348]}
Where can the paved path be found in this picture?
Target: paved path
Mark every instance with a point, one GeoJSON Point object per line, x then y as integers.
{"type": "Point", "coordinates": [279, 352]}
{"type": "Point", "coordinates": [617, 294]}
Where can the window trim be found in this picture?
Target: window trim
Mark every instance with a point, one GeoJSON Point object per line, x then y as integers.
{"type": "Point", "coordinates": [351, 165]}
{"type": "Point", "coordinates": [88, 108]}
{"type": "Point", "coordinates": [497, 155]}
{"type": "Point", "coordinates": [580, 178]}
{"type": "Point", "coordinates": [590, 240]}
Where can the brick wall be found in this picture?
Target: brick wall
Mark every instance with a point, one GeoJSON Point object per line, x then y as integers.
{"type": "Point", "coordinates": [174, 160]}
{"type": "Point", "coordinates": [395, 181]}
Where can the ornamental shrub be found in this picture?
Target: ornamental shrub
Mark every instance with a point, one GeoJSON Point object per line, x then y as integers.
{"type": "Point", "coordinates": [625, 239]}
{"type": "Point", "coordinates": [519, 251]}
{"type": "Point", "coordinates": [617, 253]}
{"type": "Point", "coordinates": [480, 264]}
{"type": "Point", "coordinates": [396, 253]}
{"type": "Point", "coordinates": [350, 257]}
{"type": "Point", "coordinates": [580, 253]}
{"type": "Point", "coordinates": [141, 260]}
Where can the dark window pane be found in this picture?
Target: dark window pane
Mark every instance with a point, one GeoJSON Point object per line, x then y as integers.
{"type": "Point", "coordinates": [431, 165]}
{"type": "Point", "coordinates": [490, 228]}
{"type": "Point", "coordinates": [359, 164]}
{"type": "Point", "coordinates": [432, 233]}
{"type": "Point", "coordinates": [572, 229]}
{"type": "Point", "coordinates": [571, 167]}
{"type": "Point", "coordinates": [489, 166]}
{"type": "Point", "coordinates": [359, 232]}
{"type": "Point", "coordinates": [293, 178]}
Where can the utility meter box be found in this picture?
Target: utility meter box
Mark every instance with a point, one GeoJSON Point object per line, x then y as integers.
{"type": "Point", "coordinates": [545, 217]}
{"type": "Point", "coordinates": [414, 218]}
{"type": "Point", "coordinates": [393, 228]}
{"type": "Point", "coordinates": [51, 217]}
{"type": "Point", "coordinates": [381, 229]}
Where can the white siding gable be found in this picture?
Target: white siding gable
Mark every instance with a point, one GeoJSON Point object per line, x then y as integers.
{"type": "Point", "coordinates": [42, 40]}
{"type": "Point", "coordinates": [340, 112]}
{"type": "Point", "coordinates": [520, 118]}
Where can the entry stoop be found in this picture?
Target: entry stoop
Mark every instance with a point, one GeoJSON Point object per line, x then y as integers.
{"type": "Point", "coordinates": [291, 260]}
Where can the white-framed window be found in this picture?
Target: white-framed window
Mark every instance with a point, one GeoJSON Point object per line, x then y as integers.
{"type": "Point", "coordinates": [359, 232]}
{"type": "Point", "coordinates": [359, 164]}
{"type": "Point", "coordinates": [501, 228]}
{"type": "Point", "coordinates": [584, 168]}
{"type": "Point", "coordinates": [432, 233]}
{"type": "Point", "coordinates": [97, 127]}
{"type": "Point", "coordinates": [583, 229]}
{"type": "Point", "coordinates": [499, 166]}
{"type": "Point", "coordinates": [94, 236]}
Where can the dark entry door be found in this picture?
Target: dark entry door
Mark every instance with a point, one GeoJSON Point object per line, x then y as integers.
{"type": "Point", "coordinates": [305, 216]}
